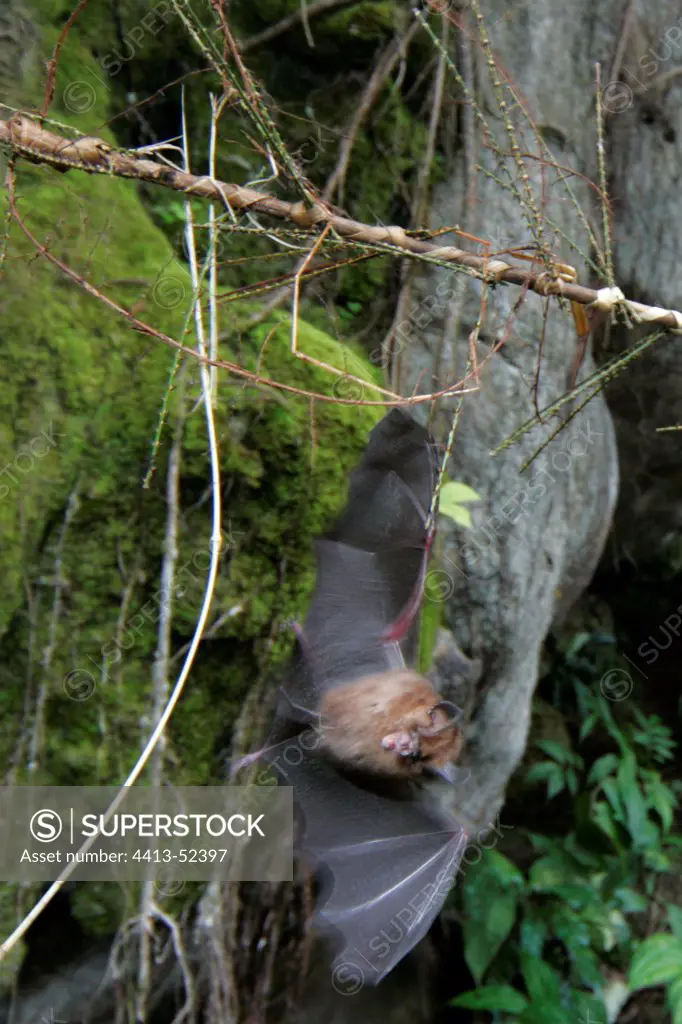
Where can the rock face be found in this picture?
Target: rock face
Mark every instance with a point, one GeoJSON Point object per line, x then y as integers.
{"type": "Point", "coordinates": [538, 532]}
{"type": "Point", "coordinates": [644, 159]}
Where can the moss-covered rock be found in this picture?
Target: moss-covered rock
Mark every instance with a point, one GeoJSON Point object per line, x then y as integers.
{"type": "Point", "coordinates": [83, 541]}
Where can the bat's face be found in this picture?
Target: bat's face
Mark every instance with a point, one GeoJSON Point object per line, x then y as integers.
{"type": "Point", "coordinates": [391, 723]}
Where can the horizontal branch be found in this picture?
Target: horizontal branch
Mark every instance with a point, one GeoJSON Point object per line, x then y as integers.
{"type": "Point", "coordinates": [27, 139]}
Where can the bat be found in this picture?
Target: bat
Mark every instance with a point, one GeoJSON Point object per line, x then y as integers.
{"type": "Point", "coordinates": [366, 742]}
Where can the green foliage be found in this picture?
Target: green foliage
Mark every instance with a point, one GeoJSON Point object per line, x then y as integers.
{"type": "Point", "coordinates": [658, 961]}
{"type": "Point", "coordinates": [439, 584]}
{"type": "Point", "coordinates": [454, 497]}
{"type": "Point", "coordinates": [572, 920]}
{"type": "Point", "coordinates": [74, 369]}
{"type": "Point", "coordinates": [560, 772]}
{"type": "Point", "coordinates": [494, 880]}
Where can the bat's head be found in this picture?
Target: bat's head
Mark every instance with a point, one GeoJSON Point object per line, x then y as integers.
{"type": "Point", "coordinates": [393, 723]}
{"type": "Point", "coordinates": [426, 737]}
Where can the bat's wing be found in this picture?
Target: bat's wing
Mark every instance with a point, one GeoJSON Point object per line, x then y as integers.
{"type": "Point", "coordinates": [387, 860]}
{"type": "Point", "coordinates": [390, 491]}
{"type": "Point", "coordinates": [370, 568]}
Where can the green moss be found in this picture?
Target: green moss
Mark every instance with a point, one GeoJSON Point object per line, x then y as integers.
{"type": "Point", "coordinates": [367, 21]}
{"type": "Point", "coordinates": [98, 905]}
{"type": "Point", "coordinates": [10, 915]}
{"type": "Point", "coordinates": [75, 374]}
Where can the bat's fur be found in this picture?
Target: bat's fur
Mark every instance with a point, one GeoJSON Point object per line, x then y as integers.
{"type": "Point", "coordinates": [382, 722]}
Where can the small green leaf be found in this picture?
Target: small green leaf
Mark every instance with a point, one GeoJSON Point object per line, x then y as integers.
{"type": "Point", "coordinates": [558, 751]}
{"type": "Point", "coordinates": [631, 901]}
{"type": "Point", "coordinates": [555, 784]}
{"type": "Point", "coordinates": [482, 940]}
{"type": "Point", "coordinates": [541, 772]}
{"type": "Point", "coordinates": [657, 860]}
{"type": "Point", "coordinates": [675, 1000]}
{"type": "Point", "coordinates": [662, 799]}
{"type": "Point", "coordinates": [606, 765]}
{"type": "Point", "coordinates": [649, 836]}
{"type": "Point", "coordinates": [675, 919]}
{"type": "Point", "coordinates": [460, 494]}
{"type": "Point", "coordinates": [602, 815]}
{"type": "Point", "coordinates": [590, 1009]}
{"type": "Point", "coordinates": [490, 896]}
{"type": "Point", "coordinates": [542, 981]}
{"type": "Point", "coordinates": [657, 961]}
{"type": "Point", "coordinates": [546, 873]}
{"type": "Point", "coordinates": [459, 515]}
{"type": "Point", "coordinates": [452, 498]}
{"type": "Point", "coordinates": [504, 871]}
{"type": "Point", "coordinates": [588, 725]}
{"type": "Point", "coordinates": [632, 797]}
{"type": "Point", "coordinates": [576, 644]}
{"type": "Point", "coordinates": [546, 1013]}
{"type": "Point", "coordinates": [492, 997]}
{"type": "Point", "coordinates": [575, 895]}
{"type": "Point", "coordinates": [533, 932]}
{"type": "Point", "coordinates": [613, 795]}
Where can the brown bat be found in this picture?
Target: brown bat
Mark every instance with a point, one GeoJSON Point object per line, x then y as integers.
{"type": "Point", "coordinates": [362, 738]}
{"type": "Point", "coordinates": [392, 723]}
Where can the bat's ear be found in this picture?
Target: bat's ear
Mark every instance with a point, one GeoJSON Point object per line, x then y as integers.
{"type": "Point", "coordinates": [448, 708]}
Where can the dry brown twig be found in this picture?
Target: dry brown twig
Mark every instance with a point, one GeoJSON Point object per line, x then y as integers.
{"type": "Point", "coordinates": [27, 139]}
{"type": "Point", "coordinates": [143, 328]}
{"type": "Point", "coordinates": [295, 351]}
{"type": "Point", "coordinates": [53, 62]}
{"type": "Point", "coordinates": [384, 66]}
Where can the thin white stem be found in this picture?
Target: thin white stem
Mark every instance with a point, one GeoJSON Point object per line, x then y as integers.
{"type": "Point", "coordinates": [216, 111]}
{"type": "Point", "coordinates": [160, 727]}
{"type": "Point", "coordinates": [160, 670]}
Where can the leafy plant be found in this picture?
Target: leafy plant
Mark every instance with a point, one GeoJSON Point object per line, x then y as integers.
{"type": "Point", "coordinates": [563, 941]}
{"type": "Point", "coordinates": [560, 772]}
{"type": "Point", "coordinates": [658, 961]}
